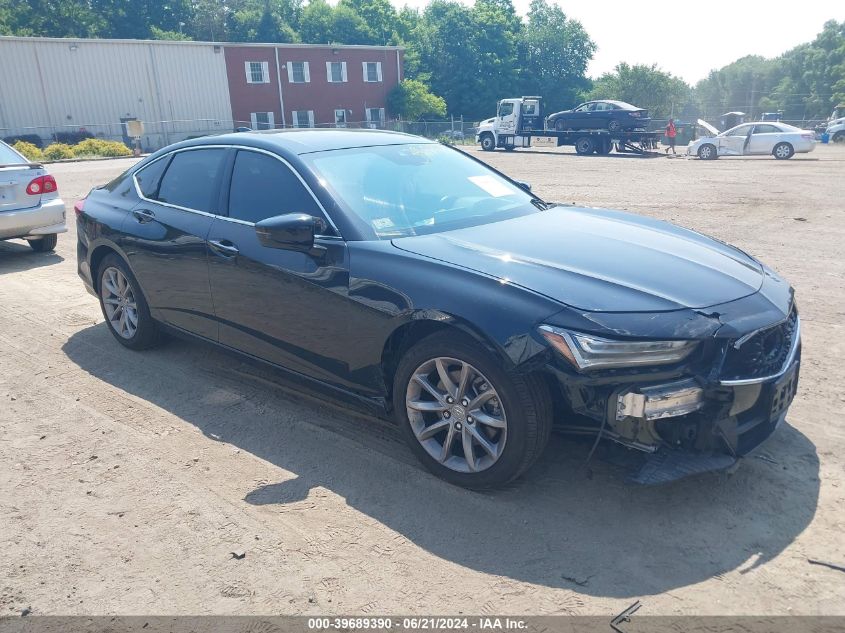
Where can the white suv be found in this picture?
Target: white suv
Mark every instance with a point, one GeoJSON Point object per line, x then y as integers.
{"type": "Point", "coordinates": [30, 207]}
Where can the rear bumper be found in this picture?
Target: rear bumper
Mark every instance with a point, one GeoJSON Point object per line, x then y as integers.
{"type": "Point", "coordinates": [45, 219]}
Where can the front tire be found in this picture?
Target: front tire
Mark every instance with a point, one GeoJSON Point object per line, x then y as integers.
{"type": "Point", "coordinates": [839, 137]}
{"type": "Point", "coordinates": [45, 244]}
{"type": "Point", "coordinates": [124, 305]}
{"type": "Point", "coordinates": [708, 152]}
{"type": "Point", "coordinates": [783, 151]}
{"type": "Point", "coordinates": [488, 143]}
{"type": "Point", "coordinates": [560, 125]}
{"type": "Point", "coordinates": [465, 417]}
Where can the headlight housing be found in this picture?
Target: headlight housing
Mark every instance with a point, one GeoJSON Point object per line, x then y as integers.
{"type": "Point", "coordinates": [586, 351]}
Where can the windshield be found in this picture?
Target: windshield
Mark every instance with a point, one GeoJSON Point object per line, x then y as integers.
{"type": "Point", "coordinates": [402, 190]}
{"type": "Point", "coordinates": [8, 156]}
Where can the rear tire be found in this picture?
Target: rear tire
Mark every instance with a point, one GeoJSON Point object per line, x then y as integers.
{"type": "Point", "coordinates": [708, 152]}
{"type": "Point", "coordinates": [839, 137]}
{"type": "Point", "coordinates": [783, 151]}
{"type": "Point", "coordinates": [614, 126]}
{"type": "Point", "coordinates": [45, 244]}
{"type": "Point", "coordinates": [520, 407]}
{"type": "Point", "coordinates": [488, 143]}
{"type": "Point", "coordinates": [124, 306]}
{"type": "Point", "coordinates": [585, 145]}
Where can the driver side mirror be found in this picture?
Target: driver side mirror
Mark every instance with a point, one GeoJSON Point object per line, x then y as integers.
{"type": "Point", "coordinates": [292, 231]}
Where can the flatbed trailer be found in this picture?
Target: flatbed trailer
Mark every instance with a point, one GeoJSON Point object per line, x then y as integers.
{"type": "Point", "coordinates": [518, 123]}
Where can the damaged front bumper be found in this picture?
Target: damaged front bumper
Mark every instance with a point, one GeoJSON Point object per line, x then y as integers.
{"type": "Point", "coordinates": [701, 417]}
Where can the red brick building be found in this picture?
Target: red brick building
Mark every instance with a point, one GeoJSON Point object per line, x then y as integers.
{"type": "Point", "coordinates": [309, 85]}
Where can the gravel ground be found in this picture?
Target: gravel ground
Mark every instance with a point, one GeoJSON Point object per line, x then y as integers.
{"type": "Point", "coordinates": [129, 478]}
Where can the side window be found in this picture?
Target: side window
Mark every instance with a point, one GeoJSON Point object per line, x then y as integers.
{"type": "Point", "coordinates": [765, 129]}
{"type": "Point", "coordinates": [150, 176]}
{"type": "Point", "coordinates": [263, 187]}
{"type": "Point", "coordinates": [192, 179]}
{"type": "Point", "coordinates": [505, 109]}
{"type": "Point", "coordinates": [742, 130]}
{"type": "Point", "coordinates": [582, 107]}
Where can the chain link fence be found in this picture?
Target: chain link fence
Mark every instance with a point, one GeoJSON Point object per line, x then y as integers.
{"type": "Point", "coordinates": [158, 134]}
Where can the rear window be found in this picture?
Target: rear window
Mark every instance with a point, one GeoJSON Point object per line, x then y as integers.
{"type": "Point", "coordinates": [8, 156]}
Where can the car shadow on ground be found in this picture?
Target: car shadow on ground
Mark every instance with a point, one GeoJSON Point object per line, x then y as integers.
{"type": "Point", "coordinates": [16, 257]}
{"type": "Point", "coordinates": [561, 525]}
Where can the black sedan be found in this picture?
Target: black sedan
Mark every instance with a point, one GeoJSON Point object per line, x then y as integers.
{"type": "Point", "coordinates": [614, 116]}
{"type": "Point", "coordinates": [412, 280]}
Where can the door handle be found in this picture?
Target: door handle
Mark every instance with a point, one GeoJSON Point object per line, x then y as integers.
{"type": "Point", "coordinates": [224, 247]}
{"type": "Point", "coordinates": [144, 215]}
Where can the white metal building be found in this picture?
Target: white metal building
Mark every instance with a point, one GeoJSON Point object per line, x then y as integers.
{"type": "Point", "coordinates": [178, 89]}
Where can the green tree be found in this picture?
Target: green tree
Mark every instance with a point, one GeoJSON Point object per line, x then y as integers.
{"type": "Point", "coordinates": [644, 86]}
{"type": "Point", "coordinates": [804, 83]}
{"type": "Point", "coordinates": [379, 16]}
{"type": "Point", "coordinates": [554, 54]}
{"type": "Point", "coordinates": [411, 99]}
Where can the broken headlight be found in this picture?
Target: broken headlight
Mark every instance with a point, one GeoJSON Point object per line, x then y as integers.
{"type": "Point", "coordinates": [586, 351]}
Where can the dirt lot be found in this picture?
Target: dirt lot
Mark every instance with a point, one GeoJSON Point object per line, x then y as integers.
{"type": "Point", "coordinates": [128, 478]}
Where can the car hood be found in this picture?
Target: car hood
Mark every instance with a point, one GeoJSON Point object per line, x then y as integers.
{"type": "Point", "coordinates": [598, 260]}
{"type": "Point", "coordinates": [713, 131]}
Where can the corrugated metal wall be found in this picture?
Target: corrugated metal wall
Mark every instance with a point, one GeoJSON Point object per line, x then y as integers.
{"type": "Point", "coordinates": [51, 85]}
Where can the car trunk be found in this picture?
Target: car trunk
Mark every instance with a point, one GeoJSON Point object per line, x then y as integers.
{"type": "Point", "coordinates": [14, 179]}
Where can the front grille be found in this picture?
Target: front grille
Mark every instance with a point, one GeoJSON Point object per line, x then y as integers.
{"type": "Point", "coordinates": [763, 354]}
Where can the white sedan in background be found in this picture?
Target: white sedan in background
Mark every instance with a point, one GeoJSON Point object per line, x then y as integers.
{"type": "Point", "coordinates": [761, 138]}
{"type": "Point", "coordinates": [30, 207]}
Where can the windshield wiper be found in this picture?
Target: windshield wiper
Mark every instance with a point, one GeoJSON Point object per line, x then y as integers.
{"type": "Point", "coordinates": [540, 204]}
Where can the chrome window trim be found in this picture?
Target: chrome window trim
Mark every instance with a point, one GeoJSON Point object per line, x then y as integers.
{"type": "Point", "coordinates": [225, 217]}
{"type": "Point", "coordinates": [790, 359]}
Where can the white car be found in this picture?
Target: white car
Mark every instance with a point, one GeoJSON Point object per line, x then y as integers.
{"type": "Point", "coordinates": [836, 131]}
{"type": "Point", "coordinates": [760, 138]}
{"type": "Point", "coordinates": [30, 207]}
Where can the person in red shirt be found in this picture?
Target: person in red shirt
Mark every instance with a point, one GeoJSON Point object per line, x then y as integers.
{"type": "Point", "coordinates": [671, 133]}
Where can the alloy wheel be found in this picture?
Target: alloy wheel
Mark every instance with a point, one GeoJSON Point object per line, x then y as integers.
{"type": "Point", "coordinates": [782, 151]}
{"type": "Point", "coordinates": [456, 414]}
{"type": "Point", "coordinates": [119, 301]}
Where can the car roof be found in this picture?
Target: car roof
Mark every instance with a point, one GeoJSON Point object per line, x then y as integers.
{"type": "Point", "coordinates": [622, 104]}
{"type": "Point", "coordinates": [297, 141]}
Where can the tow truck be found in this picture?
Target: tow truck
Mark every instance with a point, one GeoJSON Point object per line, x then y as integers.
{"type": "Point", "coordinates": [519, 122]}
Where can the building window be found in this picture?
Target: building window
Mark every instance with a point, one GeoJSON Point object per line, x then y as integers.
{"type": "Point", "coordinates": [340, 118]}
{"type": "Point", "coordinates": [336, 72]}
{"type": "Point", "coordinates": [262, 120]}
{"type": "Point", "coordinates": [372, 72]}
{"type": "Point", "coordinates": [303, 118]}
{"type": "Point", "coordinates": [257, 72]}
{"type": "Point", "coordinates": [298, 73]}
{"type": "Point", "coordinates": [375, 116]}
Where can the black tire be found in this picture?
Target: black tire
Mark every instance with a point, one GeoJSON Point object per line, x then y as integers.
{"type": "Point", "coordinates": [614, 126]}
{"type": "Point", "coordinates": [524, 400]}
{"type": "Point", "coordinates": [45, 244]}
{"type": "Point", "coordinates": [560, 125]}
{"type": "Point", "coordinates": [783, 151]}
{"type": "Point", "coordinates": [839, 137]}
{"type": "Point", "coordinates": [147, 333]}
{"type": "Point", "coordinates": [488, 142]}
{"type": "Point", "coordinates": [584, 145]}
{"type": "Point", "coordinates": [708, 152]}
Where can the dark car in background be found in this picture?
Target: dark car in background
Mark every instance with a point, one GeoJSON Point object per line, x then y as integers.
{"type": "Point", "coordinates": [415, 282]}
{"type": "Point", "coordinates": [613, 116]}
